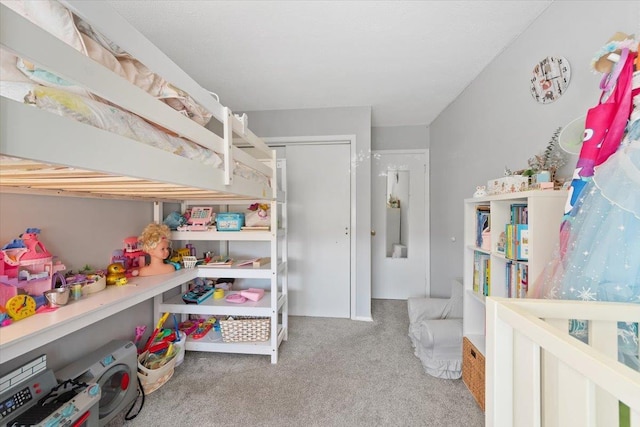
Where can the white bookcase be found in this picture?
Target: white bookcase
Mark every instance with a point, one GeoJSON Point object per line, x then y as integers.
{"type": "Point", "coordinates": [545, 209]}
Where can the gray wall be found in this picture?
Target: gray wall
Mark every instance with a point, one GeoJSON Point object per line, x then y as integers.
{"type": "Point", "coordinates": [78, 231]}
{"type": "Point", "coordinates": [327, 122]}
{"type": "Point", "coordinates": [495, 121]}
{"type": "Point", "coordinates": [400, 138]}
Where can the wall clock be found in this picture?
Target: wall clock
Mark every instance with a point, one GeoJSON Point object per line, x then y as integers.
{"type": "Point", "coordinates": [550, 79]}
{"type": "Point", "coordinates": [21, 306]}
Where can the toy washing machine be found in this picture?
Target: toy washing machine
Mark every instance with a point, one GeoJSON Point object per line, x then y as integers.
{"type": "Point", "coordinates": [114, 367]}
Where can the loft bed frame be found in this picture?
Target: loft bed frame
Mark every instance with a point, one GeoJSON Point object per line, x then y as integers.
{"type": "Point", "coordinates": [44, 153]}
{"type": "Point", "coordinates": [61, 156]}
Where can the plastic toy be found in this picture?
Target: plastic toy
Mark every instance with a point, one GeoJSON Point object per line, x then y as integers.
{"type": "Point", "coordinates": [198, 294]}
{"type": "Point", "coordinates": [198, 220]}
{"type": "Point", "coordinates": [178, 254]}
{"type": "Point", "coordinates": [132, 257]}
{"type": "Point", "coordinates": [203, 329]}
{"type": "Point", "coordinates": [116, 274]}
{"type": "Point", "coordinates": [140, 330]}
{"type": "Point", "coordinates": [189, 326]}
{"type": "Point", "coordinates": [26, 266]}
{"type": "Point", "coordinates": [21, 306]}
{"type": "Point", "coordinates": [156, 331]}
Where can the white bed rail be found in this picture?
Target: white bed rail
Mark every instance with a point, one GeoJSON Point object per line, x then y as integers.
{"type": "Point", "coordinates": [52, 54]}
{"type": "Point", "coordinates": [539, 375]}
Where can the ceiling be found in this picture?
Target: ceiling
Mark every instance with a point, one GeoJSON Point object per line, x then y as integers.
{"type": "Point", "coordinates": [408, 60]}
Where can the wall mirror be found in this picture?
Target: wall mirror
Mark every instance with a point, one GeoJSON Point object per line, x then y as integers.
{"type": "Point", "coordinates": [397, 214]}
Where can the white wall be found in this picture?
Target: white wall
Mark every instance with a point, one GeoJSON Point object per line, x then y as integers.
{"type": "Point", "coordinates": [79, 231]}
{"type": "Point", "coordinates": [328, 122]}
{"type": "Point", "coordinates": [496, 123]}
{"type": "Point", "coordinates": [400, 138]}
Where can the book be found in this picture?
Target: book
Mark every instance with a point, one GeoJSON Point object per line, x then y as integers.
{"type": "Point", "coordinates": [483, 222]}
{"type": "Point", "coordinates": [258, 262]}
{"type": "Point", "coordinates": [246, 262]}
{"type": "Point", "coordinates": [219, 262]}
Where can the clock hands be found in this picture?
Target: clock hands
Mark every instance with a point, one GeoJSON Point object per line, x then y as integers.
{"type": "Point", "coordinates": [24, 304]}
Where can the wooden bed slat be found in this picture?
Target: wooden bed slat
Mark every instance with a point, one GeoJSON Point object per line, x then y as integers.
{"type": "Point", "coordinates": [29, 177]}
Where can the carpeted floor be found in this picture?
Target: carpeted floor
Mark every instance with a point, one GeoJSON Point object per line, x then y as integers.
{"type": "Point", "coordinates": [331, 372]}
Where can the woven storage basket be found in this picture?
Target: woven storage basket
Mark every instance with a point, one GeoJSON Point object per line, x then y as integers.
{"type": "Point", "coordinates": [245, 329]}
{"type": "Point", "coordinates": [473, 371]}
{"type": "Point", "coordinates": [153, 379]}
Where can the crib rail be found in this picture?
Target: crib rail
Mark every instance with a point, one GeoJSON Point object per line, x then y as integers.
{"type": "Point", "coordinates": [539, 375]}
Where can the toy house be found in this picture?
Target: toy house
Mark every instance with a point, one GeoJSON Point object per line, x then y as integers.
{"type": "Point", "coordinates": [26, 266]}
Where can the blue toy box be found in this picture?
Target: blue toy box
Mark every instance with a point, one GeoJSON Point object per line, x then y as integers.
{"type": "Point", "coordinates": [229, 221]}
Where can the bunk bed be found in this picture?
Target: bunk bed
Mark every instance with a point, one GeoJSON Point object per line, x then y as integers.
{"type": "Point", "coordinates": [55, 139]}
{"type": "Point", "coordinates": [99, 162]}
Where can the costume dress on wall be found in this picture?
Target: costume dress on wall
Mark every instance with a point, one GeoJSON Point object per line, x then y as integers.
{"type": "Point", "coordinates": [599, 254]}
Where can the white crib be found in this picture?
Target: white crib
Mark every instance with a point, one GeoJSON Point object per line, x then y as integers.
{"type": "Point", "coordinates": [539, 375]}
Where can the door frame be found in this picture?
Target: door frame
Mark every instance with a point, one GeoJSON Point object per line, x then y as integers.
{"type": "Point", "coordinates": [335, 139]}
{"type": "Point", "coordinates": [427, 202]}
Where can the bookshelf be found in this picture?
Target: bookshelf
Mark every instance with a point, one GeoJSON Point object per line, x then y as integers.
{"type": "Point", "coordinates": [542, 211]}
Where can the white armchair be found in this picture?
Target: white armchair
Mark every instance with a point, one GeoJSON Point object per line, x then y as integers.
{"type": "Point", "coordinates": [435, 329]}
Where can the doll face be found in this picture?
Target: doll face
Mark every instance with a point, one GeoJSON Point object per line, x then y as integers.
{"type": "Point", "coordinates": [161, 250]}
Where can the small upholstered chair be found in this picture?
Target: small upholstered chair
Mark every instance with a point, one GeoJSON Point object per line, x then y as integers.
{"type": "Point", "coordinates": [435, 329]}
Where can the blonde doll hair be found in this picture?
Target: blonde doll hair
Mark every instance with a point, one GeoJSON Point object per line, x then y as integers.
{"type": "Point", "coordinates": [152, 235]}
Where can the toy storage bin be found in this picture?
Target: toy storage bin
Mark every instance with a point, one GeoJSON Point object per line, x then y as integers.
{"type": "Point", "coordinates": [189, 261]}
{"type": "Point", "coordinates": [229, 221]}
{"type": "Point", "coordinates": [153, 379]}
{"type": "Point", "coordinates": [245, 329]}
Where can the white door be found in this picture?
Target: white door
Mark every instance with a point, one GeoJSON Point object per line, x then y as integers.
{"type": "Point", "coordinates": [399, 248]}
{"type": "Point", "coordinates": [318, 229]}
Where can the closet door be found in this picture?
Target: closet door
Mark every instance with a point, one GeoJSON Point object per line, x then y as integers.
{"type": "Point", "coordinates": [318, 216]}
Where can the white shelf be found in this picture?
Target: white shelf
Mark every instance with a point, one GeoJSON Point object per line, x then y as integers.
{"type": "Point", "coordinates": [258, 347]}
{"type": "Point", "coordinates": [246, 272]}
{"type": "Point", "coordinates": [476, 296]}
{"type": "Point", "coordinates": [213, 306]}
{"type": "Point", "coordinates": [42, 328]}
{"type": "Point", "coordinates": [274, 303]}
{"type": "Point", "coordinates": [253, 235]}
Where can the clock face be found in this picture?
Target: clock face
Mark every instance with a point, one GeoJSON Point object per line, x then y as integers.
{"type": "Point", "coordinates": [550, 79]}
{"type": "Point", "coordinates": [21, 306]}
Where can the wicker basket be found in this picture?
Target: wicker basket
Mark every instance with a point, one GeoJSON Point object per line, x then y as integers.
{"type": "Point", "coordinates": [245, 329]}
{"type": "Point", "coordinates": [189, 261]}
{"type": "Point", "coordinates": [473, 371]}
{"type": "Point", "coordinates": [153, 379]}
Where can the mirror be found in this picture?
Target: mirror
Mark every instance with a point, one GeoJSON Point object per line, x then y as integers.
{"type": "Point", "coordinates": [397, 213]}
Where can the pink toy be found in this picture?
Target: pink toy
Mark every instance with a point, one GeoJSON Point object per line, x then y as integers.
{"type": "Point", "coordinates": [26, 264]}
{"type": "Point", "coordinates": [131, 256]}
{"type": "Point", "coordinates": [253, 294]}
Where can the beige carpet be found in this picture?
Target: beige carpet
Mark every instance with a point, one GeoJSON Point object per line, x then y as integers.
{"type": "Point", "coordinates": [331, 372]}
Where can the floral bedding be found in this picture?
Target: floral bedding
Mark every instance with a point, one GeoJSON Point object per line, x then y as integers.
{"type": "Point", "coordinates": [53, 17]}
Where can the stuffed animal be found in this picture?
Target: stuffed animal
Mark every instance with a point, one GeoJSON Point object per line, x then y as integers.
{"type": "Point", "coordinates": [481, 191]}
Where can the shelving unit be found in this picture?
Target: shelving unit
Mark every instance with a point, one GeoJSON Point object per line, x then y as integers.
{"type": "Point", "coordinates": [545, 210]}
{"type": "Point", "coordinates": [274, 303]}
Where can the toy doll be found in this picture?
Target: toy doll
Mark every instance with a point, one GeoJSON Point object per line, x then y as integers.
{"type": "Point", "coordinates": [155, 241]}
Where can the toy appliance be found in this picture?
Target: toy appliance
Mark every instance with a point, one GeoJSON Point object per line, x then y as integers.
{"type": "Point", "coordinates": [114, 368]}
{"type": "Point", "coordinates": [200, 219]}
{"type": "Point", "coordinates": [30, 395]}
